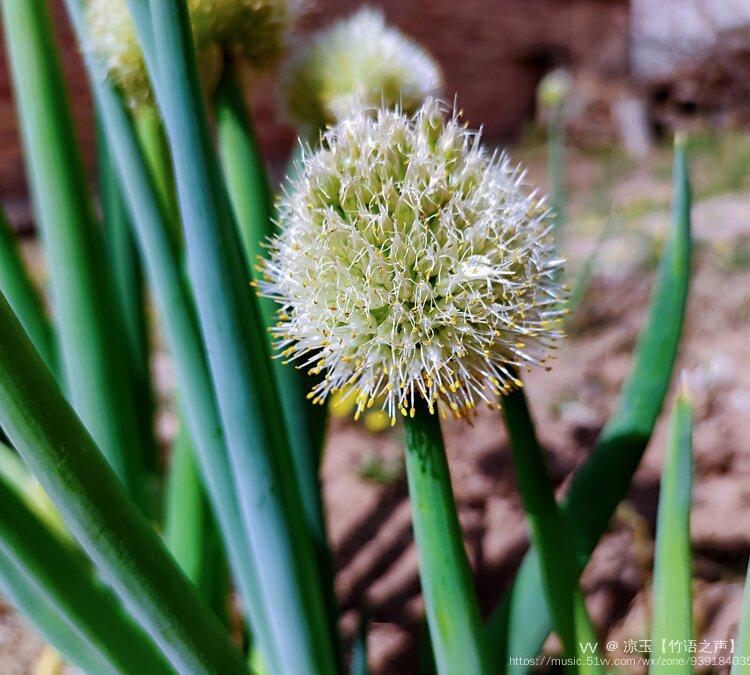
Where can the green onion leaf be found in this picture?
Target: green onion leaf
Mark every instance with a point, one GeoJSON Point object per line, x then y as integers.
{"type": "Point", "coordinates": [233, 334]}
{"type": "Point", "coordinates": [58, 450]}
{"type": "Point", "coordinates": [23, 296]}
{"type": "Point", "coordinates": [60, 574]}
{"type": "Point", "coordinates": [673, 610]}
{"type": "Point", "coordinates": [92, 349]}
{"type": "Point", "coordinates": [173, 296]}
{"type": "Point", "coordinates": [521, 622]}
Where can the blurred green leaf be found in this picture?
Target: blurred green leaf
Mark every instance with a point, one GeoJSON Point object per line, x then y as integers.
{"type": "Point", "coordinates": [92, 350]}
{"type": "Point", "coordinates": [521, 622]}
{"type": "Point", "coordinates": [672, 594]}
{"type": "Point", "coordinates": [23, 296]}
{"type": "Point", "coordinates": [741, 665]}
{"type": "Point", "coordinates": [61, 576]}
{"type": "Point", "coordinates": [56, 447]}
{"type": "Point", "coordinates": [359, 648]}
{"type": "Point", "coordinates": [26, 597]}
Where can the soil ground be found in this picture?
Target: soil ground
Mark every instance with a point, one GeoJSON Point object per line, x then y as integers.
{"type": "Point", "coordinates": [365, 494]}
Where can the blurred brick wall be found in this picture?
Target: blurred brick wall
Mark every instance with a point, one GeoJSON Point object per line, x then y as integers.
{"type": "Point", "coordinates": [493, 53]}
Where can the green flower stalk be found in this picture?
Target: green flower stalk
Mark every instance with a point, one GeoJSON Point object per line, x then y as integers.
{"type": "Point", "coordinates": [552, 95]}
{"type": "Point", "coordinates": [357, 61]}
{"type": "Point", "coordinates": [414, 269]}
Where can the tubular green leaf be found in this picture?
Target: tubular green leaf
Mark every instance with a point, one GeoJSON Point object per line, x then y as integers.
{"type": "Point", "coordinates": [550, 533]}
{"type": "Point", "coordinates": [189, 529]}
{"type": "Point", "coordinates": [233, 334]}
{"type": "Point", "coordinates": [173, 297]}
{"type": "Point", "coordinates": [53, 626]}
{"type": "Point", "coordinates": [458, 639]}
{"type": "Point", "coordinates": [521, 622]}
{"type": "Point", "coordinates": [125, 266]}
{"type": "Point", "coordinates": [64, 579]}
{"type": "Point", "coordinates": [250, 196]}
{"type": "Point", "coordinates": [672, 593]}
{"type": "Point", "coordinates": [57, 448]}
{"type": "Point", "coordinates": [89, 329]}
{"type": "Point", "coordinates": [23, 296]}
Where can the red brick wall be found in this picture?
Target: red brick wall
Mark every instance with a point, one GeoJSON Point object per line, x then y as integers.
{"type": "Point", "coordinates": [492, 51]}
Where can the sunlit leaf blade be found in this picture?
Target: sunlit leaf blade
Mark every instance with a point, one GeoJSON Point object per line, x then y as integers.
{"type": "Point", "coordinates": [173, 296]}
{"type": "Point", "coordinates": [235, 342]}
{"type": "Point", "coordinates": [672, 622]}
{"type": "Point", "coordinates": [88, 325]}
{"type": "Point", "coordinates": [521, 622]}
{"type": "Point", "coordinates": [57, 448]}
{"type": "Point", "coordinates": [23, 297]}
{"type": "Point", "coordinates": [61, 575]}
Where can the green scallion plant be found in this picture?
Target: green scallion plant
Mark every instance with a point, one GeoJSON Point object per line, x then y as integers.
{"type": "Point", "coordinates": [552, 95]}
{"type": "Point", "coordinates": [418, 278]}
{"type": "Point", "coordinates": [672, 584]}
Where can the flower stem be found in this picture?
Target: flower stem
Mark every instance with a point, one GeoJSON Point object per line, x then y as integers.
{"type": "Point", "coordinates": [451, 604]}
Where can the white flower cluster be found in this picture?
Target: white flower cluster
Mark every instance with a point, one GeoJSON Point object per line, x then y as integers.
{"type": "Point", "coordinates": [411, 262]}
{"type": "Point", "coordinates": [253, 30]}
{"type": "Point", "coordinates": [114, 40]}
{"type": "Point", "coordinates": [357, 61]}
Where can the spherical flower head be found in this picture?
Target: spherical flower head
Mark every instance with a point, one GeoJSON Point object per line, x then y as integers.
{"type": "Point", "coordinates": [411, 262]}
{"type": "Point", "coordinates": [255, 30]}
{"type": "Point", "coordinates": [554, 88]}
{"type": "Point", "coordinates": [357, 61]}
